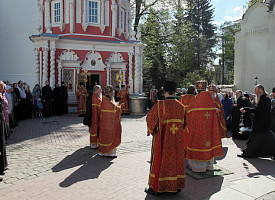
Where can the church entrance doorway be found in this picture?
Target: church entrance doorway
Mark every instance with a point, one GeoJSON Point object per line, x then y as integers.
{"type": "Point", "coordinates": [93, 80]}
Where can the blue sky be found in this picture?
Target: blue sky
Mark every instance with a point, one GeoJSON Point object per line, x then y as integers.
{"type": "Point", "coordinates": [228, 10]}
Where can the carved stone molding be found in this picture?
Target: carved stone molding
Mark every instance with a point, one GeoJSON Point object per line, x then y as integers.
{"type": "Point", "coordinates": [37, 65]}
{"type": "Point", "coordinates": [68, 55]}
{"type": "Point", "coordinates": [45, 65]}
{"type": "Point", "coordinates": [48, 25]}
{"type": "Point", "coordinates": [102, 28]}
{"type": "Point", "coordinates": [52, 63]}
{"type": "Point", "coordinates": [116, 57]}
{"type": "Point", "coordinates": [257, 30]}
{"type": "Point", "coordinates": [93, 62]}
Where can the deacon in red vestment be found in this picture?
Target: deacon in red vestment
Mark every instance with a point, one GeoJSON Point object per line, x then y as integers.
{"type": "Point", "coordinates": [109, 125]}
{"type": "Point", "coordinates": [123, 96]}
{"type": "Point", "coordinates": [223, 130]}
{"type": "Point", "coordinates": [186, 100]}
{"type": "Point", "coordinates": [81, 96]}
{"type": "Point", "coordinates": [166, 122]}
{"type": "Point", "coordinates": [204, 142]}
{"type": "Point", "coordinates": [95, 118]}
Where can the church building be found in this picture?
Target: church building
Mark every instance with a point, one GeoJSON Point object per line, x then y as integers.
{"type": "Point", "coordinates": [254, 61]}
{"type": "Point", "coordinates": [88, 41]}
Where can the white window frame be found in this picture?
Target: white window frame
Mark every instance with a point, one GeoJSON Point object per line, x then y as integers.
{"type": "Point", "coordinates": [122, 19]}
{"type": "Point", "coordinates": [60, 23]}
{"type": "Point", "coordinates": [98, 12]}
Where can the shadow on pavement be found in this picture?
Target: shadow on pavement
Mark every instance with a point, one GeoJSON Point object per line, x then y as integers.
{"type": "Point", "coordinates": [79, 157]}
{"type": "Point", "coordinates": [92, 166]}
{"type": "Point", "coordinates": [225, 150]}
{"type": "Point", "coordinates": [194, 190]}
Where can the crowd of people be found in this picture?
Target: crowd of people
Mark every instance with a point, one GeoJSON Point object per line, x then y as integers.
{"type": "Point", "coordinates": [18, 102]}
{"type": "Point", "coordinates": [185, 124]}
{"type": "Point", "coordinates": [192, 128]}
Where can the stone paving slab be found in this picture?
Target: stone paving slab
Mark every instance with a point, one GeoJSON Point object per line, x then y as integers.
{"type": "Point", "coordinates": [49, 159]}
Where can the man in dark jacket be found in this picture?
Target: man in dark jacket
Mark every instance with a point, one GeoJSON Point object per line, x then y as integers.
{"type": "Point", "coordinates": [262, 141]}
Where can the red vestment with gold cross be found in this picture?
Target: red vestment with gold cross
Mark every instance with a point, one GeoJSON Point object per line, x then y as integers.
{"type": "Point", "coordinates": [204, 129]}
{"type": "Point", "coordinates": [186, 101]}
{"type": "Point", "coordinates": [165, 121]}
{"type": "Point", "coordinates": [109, 126]}
{"type": "Point", "coordinates": [81, 96]}
{"type": "Point", "coordinates": [223, 129]}
{"type": "Point", "coordinates": [94, 129]}
{"type": "Point", "coordinates": [123, 96]}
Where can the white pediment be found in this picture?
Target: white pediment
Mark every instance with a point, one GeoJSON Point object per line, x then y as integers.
{"type": "Point", "coordinates": [93, 62]}
{"type": "Point", "coordinates": [115, 57]}
{"type": "Point", "coordinates": [68, 55]}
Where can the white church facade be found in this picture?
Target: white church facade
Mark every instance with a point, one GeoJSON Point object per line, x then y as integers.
{"type": "Point", "coordinates": [255, 49]}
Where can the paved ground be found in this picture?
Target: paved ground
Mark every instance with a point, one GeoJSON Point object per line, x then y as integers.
{"type": "Point", "coordinates": [49, 158]}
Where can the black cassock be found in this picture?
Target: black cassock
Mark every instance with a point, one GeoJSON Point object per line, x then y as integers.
{"type": "Point", "coordinates": [47, 96]}
{"type": "Point", "coordinates": [273, 116]}
{"type": "Point", "coordinates": [63, 98]}
{"type": "Point", "coordinates": [57, 109]}
{"type": "Point", "coordinates": [236, 116]}
{"type": "Point", "coordinates": [88, 116]}
{"type": "Point", "coordinates": [3, 156]}
{"type": "Point", "coordinates": [261, 142]}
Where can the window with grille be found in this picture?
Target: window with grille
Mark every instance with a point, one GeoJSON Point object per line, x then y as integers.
{"type": "Point", "coordinates": [93, 12]}
{"type": "Point", "coordinates": [57, 12]}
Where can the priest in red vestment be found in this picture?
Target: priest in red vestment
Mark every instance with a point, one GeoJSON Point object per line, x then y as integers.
{"type": "Point", "coordinates": [123, 96]}
{"type": "Point", "coordinates": [81, 96]}
{"type": "Point", "coordinates": [109, 125]}
{"type": "Point", "coordinates": [166, 122]}
{"type": "Point", "coordinates": [203, 124]}
{"type": "Point", "coordinates": [95, 118]}
{"type": "Point", "coordinates": [186, 100]}
{"type": "Point", "coordinates": [223, 130]}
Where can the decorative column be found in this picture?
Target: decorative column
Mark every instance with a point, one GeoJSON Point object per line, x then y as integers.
{"type": "Point", "coordinates": [102, 18]}
{"type": "Point", "coordinates": [84, 16]}
{"type": "Point", "coordinates": [45, 65]}
{"type": "Point", "coordinates": [59, 67]}
{"type": "Point", "coordinates": [52, 63]}
{"type": "Point", "coordinates": [37, 66]}
{"type": "Point", "coordinates": [114, 17]}
{"type": "Point", "coordinates": [41, 16]}
{"type": "Point", "coordinates": [141, 73]}
{"type": "Point", "coordinates": [108, 69]}
{"type": "Point", "coordinates": [137, 71]}
{"type": "Point", "coordinates": [124, 75]}
{"type": "Point", "coordinates": [48, 25]}
{"type": "Point", "coordinates": [130, 78]}
{"type": "Point", "coordinates": [72, 15]}
{"type": "Point", "coordinates": [78, 11]}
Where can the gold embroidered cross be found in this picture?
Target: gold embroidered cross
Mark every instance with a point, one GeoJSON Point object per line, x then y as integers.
{"type": "Point", "coordinates": [207, 115]}
{"type": "Point", "coordinates": [173, 129]}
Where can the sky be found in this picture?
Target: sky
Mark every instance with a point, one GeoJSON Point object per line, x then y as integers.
{"type": "Point", "coordinates": [228, 10]}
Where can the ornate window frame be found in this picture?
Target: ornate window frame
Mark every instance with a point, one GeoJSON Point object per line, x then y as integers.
{"type": "Point", "coordinates": [98, 12]}
{"type": "Point", "coordinates": [59, 24]}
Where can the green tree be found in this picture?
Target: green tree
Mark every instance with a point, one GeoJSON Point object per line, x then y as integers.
{"type": "Point", "coordinates": [199, 13]}
{"type": "Point", "coordinates": [227, 40]}
{"type": "Point", "coordinates": [154, 63]}
{"type": "Point", "coordinates": [180, 49]}
{"type": "Point", "coordinates": [252, 2]}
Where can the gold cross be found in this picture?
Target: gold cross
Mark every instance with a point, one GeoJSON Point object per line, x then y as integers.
{"type": "Point", "coordinates": [207, 115]}
{"type": "Point", "coordinates": [173, 129]}
{"type": "Point", "coordinates": [85, 73]}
